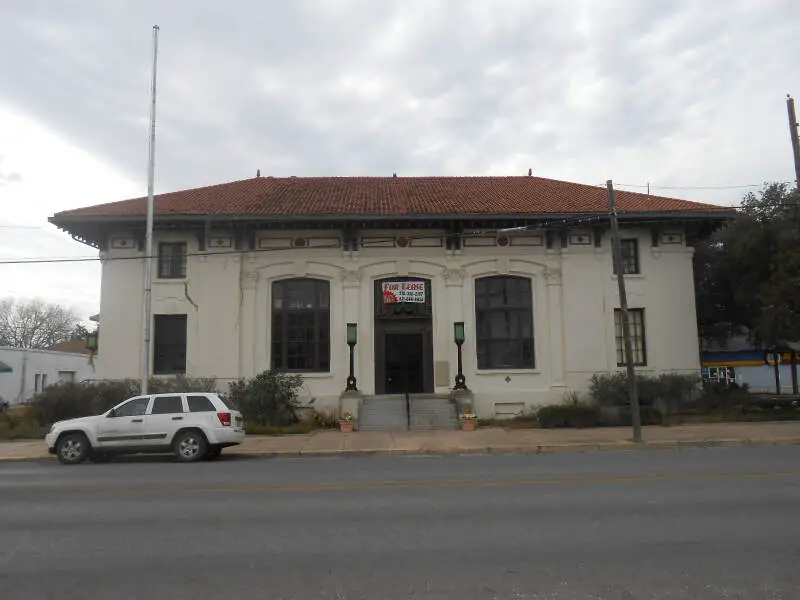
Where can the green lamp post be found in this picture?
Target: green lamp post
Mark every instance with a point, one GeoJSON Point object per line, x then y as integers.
{"type": "Point", "coordinates": [352, 340]}
{"type": "Point", "coordinates": [459, 336]}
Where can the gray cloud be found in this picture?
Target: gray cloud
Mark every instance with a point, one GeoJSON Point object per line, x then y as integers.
{"type": "Point", "coordinates": [582, 90]}
{"type": "Point", "coordinates": [7, 178]}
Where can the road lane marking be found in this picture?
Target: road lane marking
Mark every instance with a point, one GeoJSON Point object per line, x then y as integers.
{"type": "Point", "coordinates": [426, 484]}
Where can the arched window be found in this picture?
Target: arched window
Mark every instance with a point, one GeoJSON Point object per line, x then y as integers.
{"type": "Point", "coordinates": [504, 323]}
{"type": "Point", "coordinates": [301, 325]}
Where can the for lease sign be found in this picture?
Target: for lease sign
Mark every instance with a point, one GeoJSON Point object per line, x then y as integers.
{"type": "Point", "coordinates": [403, 291]}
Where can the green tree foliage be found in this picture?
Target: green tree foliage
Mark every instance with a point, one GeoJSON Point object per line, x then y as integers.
{"type": "Point", "coordinates": [747, 276]}
{"type": "Point", "coordinates": [269, 398]}
{"type": "Point", "coordinates": [81, 332]}
{"type": "Point", "coordinates": [67, 400]}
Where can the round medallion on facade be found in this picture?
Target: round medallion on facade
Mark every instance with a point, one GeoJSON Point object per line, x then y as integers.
{"type": "Point", "coordinates": [502, 241]}
{"type": "Point", "coordinates": [402, 242]}
{"type": "Point", "coordinates": [300, 242]}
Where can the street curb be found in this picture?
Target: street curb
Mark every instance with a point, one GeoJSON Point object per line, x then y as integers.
{"type": "Point", "coordinates": [538, 449]}
{"type": "Point", "coordinates": [473, 450]}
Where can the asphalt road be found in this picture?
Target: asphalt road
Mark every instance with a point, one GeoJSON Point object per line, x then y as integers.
{"type": "Point", "coordinates": [703, 523]}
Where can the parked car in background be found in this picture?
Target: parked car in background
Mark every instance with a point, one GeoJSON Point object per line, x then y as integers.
{"type": "Point", "coordinates": [193, 426]}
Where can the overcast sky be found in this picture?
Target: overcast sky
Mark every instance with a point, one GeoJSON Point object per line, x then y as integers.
{"type": "Point", "coordinates": [671, 92]}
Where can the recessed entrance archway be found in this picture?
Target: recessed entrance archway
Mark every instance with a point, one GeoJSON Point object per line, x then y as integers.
{"type": "Point", "coordinates": [403, 335]}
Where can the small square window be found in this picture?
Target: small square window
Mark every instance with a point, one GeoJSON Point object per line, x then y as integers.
{"type": "Point", "coordinates": [172, 260]}
{"type": "Point", "coordinates": [630, 257]}
{"type": "Point", "coordinates": [66, 376]}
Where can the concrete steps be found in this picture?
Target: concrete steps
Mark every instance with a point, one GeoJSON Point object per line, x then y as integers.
{"type": "Point", "coordinates": [388, 413]}
{"type": "Point", "coordinates": [430, 412]}
{"type": "Point", "coordinates": [383, 413]}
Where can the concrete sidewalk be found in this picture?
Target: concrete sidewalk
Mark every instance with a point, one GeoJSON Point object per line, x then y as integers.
{"type": "Point", "coordinates": [487, 439]}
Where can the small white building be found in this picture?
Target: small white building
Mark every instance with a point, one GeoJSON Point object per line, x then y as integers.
{"type": "Point", "coordinates": [24, 373]}
{"type": "Point", "coordinates": [269, 272]}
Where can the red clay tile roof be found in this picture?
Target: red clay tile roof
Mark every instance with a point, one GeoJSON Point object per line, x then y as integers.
{"type": "Point", "coordinates": [72, 346]}
{"type": "Point", "coordinates": [390, 196]}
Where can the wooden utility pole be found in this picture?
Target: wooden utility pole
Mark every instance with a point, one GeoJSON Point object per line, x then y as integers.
{"type": "Point", "coordinates": [633, 392]}
{"type": "Point", "coordinates": [795, 139]}
{"type": "Point", "coordinates": [793, 134]}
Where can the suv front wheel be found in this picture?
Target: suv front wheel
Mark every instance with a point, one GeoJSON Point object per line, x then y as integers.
{"type": "Point", "coordinates": [72, 448]}
{"type": "Point", "coordinates": [189, 446]}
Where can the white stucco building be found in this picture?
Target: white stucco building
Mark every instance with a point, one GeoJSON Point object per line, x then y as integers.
{"type": "Point", "coordinates": [268, 272]}
{"type": "Point", "coordinates": [24, 373]}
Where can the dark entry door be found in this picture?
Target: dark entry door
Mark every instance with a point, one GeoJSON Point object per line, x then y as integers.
{"type": "Point", "coordinates": [404, 365]}
{"type": "Point", "coordinates": [403, 340]}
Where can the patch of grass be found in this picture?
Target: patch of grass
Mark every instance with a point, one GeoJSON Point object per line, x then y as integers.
{"type": "Point", "coordinates": [568, 415]}
{"type": "Point", "coordinates": [519, 422]}
{"type": "Point", "coordinates": [20, 411]}
{"type": "Point", "coordinates": [732, 417]}
{"type": "Point", "coordinates": [648, 415]}
{"type": "Point", "coordinates": [13, 428]}
{"type": "Point", "coordinates": [324, 419]}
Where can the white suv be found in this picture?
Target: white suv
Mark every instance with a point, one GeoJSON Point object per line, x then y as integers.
{"type": "Point", "coordinates": [192, 425]}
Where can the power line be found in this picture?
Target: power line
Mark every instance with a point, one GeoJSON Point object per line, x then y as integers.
{"type": "Point", "coordinates": [115, 258]}
{"type": "Point", "coordinates": [581, 219]}
{"type": "Point", "coordinates": [688, 187]}
{"type": "Point", "coordinates": [553, 223]}
{"type": "Point", "coordinates": [692, 187]}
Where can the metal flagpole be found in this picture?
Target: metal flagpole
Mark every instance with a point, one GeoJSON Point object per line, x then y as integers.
{"type": "Point", "coordinates": [147, 316]}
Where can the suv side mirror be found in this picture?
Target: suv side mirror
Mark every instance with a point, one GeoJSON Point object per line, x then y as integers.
{"type": "Point", "coordinates": [112, 413]}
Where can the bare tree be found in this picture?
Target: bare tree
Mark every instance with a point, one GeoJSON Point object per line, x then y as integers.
{"type": "Point", "coordinates": [34, 324]}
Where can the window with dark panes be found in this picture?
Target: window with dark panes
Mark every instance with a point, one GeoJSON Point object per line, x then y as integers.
{"type": "Point", "coordinates": [301, 325]}
{"type": "Point", "coordinates": [167, 405]}
{"type": "Point", "coordinates": [504, 323]}
{"type": "Point", "coordinates": [638, 341]}
{"type": "Point", "coordinates": [169, 344]}
{"type": "Point", "coordinates": [172, 260]}
{"type": "Point", "coordinates": [133, 408]}
{"type": "Point", "coordinates": [630, 257]}
{"type": "Point", "coordinates": [66, 376]}
{"type": "Point", "coordinates": [200, 404]}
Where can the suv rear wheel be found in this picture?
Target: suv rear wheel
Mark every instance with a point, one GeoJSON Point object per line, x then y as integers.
{"type": "Point", "coordinates": [189, 446]}
{"type": "Point", "coordinates": [72, 448]}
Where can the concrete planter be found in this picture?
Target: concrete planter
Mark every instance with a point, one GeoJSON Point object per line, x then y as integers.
{"type": "Point", "coordinates": [469, 424]}
{"type": "Point", "coordinates": [346, 426]}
